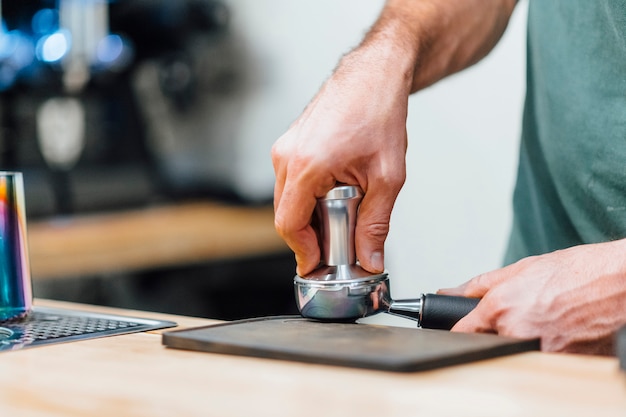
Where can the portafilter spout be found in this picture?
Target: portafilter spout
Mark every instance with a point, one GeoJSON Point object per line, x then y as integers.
{"type": "Point", "coordinates": [341, 290]}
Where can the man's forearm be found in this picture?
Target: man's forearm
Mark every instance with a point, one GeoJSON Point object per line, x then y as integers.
{"type": "Point", "coordinates": [430, 39]}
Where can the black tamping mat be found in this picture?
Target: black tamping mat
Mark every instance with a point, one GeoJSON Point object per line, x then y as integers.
{"type": "Point", "coordinates": [345, 344]}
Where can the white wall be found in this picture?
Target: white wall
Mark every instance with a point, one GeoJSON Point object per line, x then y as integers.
{"type": "Point", "coordinates": [452, 218]}
{"type": "Point", "coordinates": [291, 47]}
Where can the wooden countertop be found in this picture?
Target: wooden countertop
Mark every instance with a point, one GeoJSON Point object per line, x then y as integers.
{"type": "Point", "coordinates": [150, 238]}
{"type": "Point", "coordinates": [134, 375]}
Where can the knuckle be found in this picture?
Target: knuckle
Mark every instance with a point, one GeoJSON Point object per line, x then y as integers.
{"type": "Point", "coordinates": [282, 148]}
{"type": "Point", "coordinates": [393, 173]}
{"type": "Point", "coordinates": [391, 182]}
{"type": "Point", "coordinates": [396, 179]}
{"type": "Point", "coordinates": [377, 231]}
{"type": "Point", "coordinates": [277, 153]}
{"type": "Point", "coordinates": [274, 153]}
{"type": "Point", "coordinates": [478, 282]}
{"type": "Point", "coordinates": [527, 263]}
{"type": "Point", "coordinates": [281, 225]}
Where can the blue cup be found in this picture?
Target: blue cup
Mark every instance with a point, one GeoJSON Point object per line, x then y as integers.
{"type": "Point", "coordinates": [16, 298]}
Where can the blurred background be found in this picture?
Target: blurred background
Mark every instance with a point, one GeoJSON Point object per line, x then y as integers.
{"type": "Point", "coordinates": [144, 127]}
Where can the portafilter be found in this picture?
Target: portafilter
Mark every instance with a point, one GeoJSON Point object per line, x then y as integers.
{"type": "Point", "coordinates": [341, 290]}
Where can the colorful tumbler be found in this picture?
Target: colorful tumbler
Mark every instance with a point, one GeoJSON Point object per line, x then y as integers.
{"type": "Point", "coordinates": [16, 297]}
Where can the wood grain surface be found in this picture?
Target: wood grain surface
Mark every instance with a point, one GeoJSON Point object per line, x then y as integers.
{"type": "Point", "coordinates": [134, 375]}
{"type": "Point", "coordinates": [150, 238]}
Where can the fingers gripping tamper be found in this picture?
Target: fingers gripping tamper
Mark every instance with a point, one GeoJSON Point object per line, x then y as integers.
{"type": "Point", "coordinates": [336, 213]}
{"type": "Point", "coordinates": [339, 289]}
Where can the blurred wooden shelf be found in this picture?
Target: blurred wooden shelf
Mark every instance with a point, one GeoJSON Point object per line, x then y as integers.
{"type": "Point", "coordinates": [153, 237]}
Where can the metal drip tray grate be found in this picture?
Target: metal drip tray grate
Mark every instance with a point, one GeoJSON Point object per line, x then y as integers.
{"type": "Point", "coordinates": [45, 326]}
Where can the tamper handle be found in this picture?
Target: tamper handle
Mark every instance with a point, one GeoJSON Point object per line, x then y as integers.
{"type": "Point", "coordinates": [337, 212]}
{"type": "Point", "coordinates": [443, 311]}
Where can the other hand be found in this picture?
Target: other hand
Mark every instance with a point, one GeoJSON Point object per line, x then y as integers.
{"type": "Point", "coordinates": [574, 299]}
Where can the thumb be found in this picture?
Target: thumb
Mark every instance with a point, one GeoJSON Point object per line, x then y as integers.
{"type": "Point", "coordinates": [372, 228]}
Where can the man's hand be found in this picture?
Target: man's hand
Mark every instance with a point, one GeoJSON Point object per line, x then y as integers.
{"type": "Point", "coordinates": [353, 132]}
{"type": "Point", "coordinates": [573, 299]}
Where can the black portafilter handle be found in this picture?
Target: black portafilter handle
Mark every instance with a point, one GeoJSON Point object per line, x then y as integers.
{"type": "Point", "coordinates": [444, 311]}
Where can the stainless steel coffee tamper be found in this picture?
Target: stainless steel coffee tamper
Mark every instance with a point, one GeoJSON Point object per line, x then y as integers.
{"type": "Point", "coordinates": [341, 290]}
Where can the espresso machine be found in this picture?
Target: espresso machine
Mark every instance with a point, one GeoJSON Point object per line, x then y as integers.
{"type": "Point", "coordinates": [75, 116]}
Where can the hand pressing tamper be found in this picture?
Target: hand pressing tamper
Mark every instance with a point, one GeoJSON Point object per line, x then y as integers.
{"type": "Point", "coordinates": [341, 290]}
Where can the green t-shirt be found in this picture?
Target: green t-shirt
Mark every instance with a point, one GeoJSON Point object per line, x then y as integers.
{"type": "Point", "coordinates": [571, 185]}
